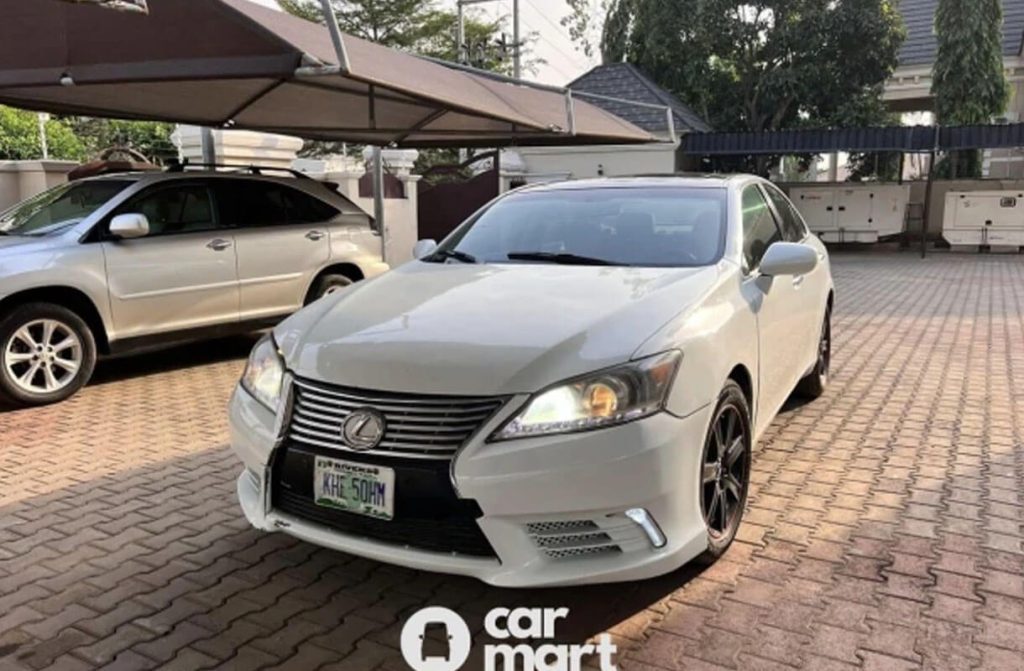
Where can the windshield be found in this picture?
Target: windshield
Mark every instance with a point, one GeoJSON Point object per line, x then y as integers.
{"type": "Point", "coordinates": [622, 226]}
{"type": "Point", "coordinates": [60, 207]}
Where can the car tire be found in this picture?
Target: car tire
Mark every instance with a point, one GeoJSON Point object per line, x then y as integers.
{"type": "Point", "coordinates": [814, 385]}
{"type": "Point", "coordinates": [724, 477]}
{"type": "Point", "coordinates": [47, 353]}
{"type": "Point", "coordinates": [328, 284]}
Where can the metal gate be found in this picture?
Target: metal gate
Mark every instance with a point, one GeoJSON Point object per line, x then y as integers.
{"type": "Point", "coordinates": [449, 194]}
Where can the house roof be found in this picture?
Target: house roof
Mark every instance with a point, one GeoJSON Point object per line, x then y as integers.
{"type": "Point", "coordinates": [919, 18]}
{"type": "Point", "coordinates": [625, 81]}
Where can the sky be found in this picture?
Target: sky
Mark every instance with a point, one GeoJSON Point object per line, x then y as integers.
{"type": "Point", "coordinates": [540, 18]}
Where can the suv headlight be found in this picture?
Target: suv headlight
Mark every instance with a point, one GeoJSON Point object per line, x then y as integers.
{"type": "Point", "coordinates": [264, 373]}
{"type": "Point", "coordinates": [612, 396]}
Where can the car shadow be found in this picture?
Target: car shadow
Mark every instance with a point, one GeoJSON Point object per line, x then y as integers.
{"type": "Point", "coordinates": [171, 358]}
{"type": "Point", "coordinates": [165, 360]}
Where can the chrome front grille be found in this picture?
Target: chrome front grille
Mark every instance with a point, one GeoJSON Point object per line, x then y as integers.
{"type": "Point", "coordinates": [417, 426]}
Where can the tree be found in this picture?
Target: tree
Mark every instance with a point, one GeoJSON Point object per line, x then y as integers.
{"type": "Point", "coordinates": [417, 26]}
{"type": "Point", "coordinates": [150, 138]}
{"type": "Point", "coordinates": [968, 80]}
{"type": "Point", "coordinates": [763, 66]}
{"type": "Point", "coordinates": [19, 137]}
{"type": "Point", "coordinates": [411, 25]}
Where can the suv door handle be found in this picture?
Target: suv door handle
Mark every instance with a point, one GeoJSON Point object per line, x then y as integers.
{"type": "Point", "coordinates": [798, 280]}
{"type": "Point", "coordinates": [219, 244]}
{"type": "Point", "coordinates": [315, 235]}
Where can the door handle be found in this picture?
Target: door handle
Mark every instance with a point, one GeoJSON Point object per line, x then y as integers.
{"type": "Point", "coordinates": [798, 281]}
{"type": "Point", "coordinates": [218, 245]}
{"type": "Point", "coordinates": [315, 235]}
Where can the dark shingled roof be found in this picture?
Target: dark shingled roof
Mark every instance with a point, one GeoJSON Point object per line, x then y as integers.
{"type": "Point", "coordinates": [919, 18]}
{"type": "Point", "coordinates": [625, 81]}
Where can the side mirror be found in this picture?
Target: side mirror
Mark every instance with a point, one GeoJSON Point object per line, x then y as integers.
{"type": "Point", "coordinates": [128, 226]}
{"type": "Point", "coordinates": [424, 248]}
{"type": "Point", "coordinates": [788, 258]}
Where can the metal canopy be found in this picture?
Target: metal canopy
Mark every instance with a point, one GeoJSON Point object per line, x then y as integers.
{"type": "Point", "coordinates": [235, 64]}
{"type": "Point", "coordinates": [908, 139]}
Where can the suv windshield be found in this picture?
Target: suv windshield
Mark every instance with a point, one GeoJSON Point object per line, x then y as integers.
{"type": "Point", "coordinates": [60, 207]}
{"type": "Point", "coordinates": [619, 226]}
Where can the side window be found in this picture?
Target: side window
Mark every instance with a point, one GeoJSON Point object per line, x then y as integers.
{"type": "Point", "coordinates": [759, 229]}
{"type": "Point", "coordinates": [176, 209]}
{"type": "Point", "coordinates": [793, 228]}
{"type": "Point", "coordinates": [305, 209]}
{"type": "Point", "coordinates": [256, 203]}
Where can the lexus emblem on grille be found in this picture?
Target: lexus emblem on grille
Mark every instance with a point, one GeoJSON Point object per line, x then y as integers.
{"type": "Point", "coordinates": [363, 429]}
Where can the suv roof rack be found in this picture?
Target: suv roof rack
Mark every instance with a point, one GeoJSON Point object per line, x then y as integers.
{"type": "Point", "coordinates": [253, 169]}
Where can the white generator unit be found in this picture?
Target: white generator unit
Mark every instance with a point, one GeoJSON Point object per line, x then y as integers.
{"type": "Point", "coordinates": [992, 219]}
{"type": "Point", "coordinates": [862, 213]}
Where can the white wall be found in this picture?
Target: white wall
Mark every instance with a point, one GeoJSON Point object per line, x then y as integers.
{"type": "Point", "coordinates": [20, 180]}
{"type": "Point", "coordinates": [539, 164]}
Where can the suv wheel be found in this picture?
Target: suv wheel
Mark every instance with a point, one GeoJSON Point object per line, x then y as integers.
{"type": "Point", "coordinates": [47, 353]}
{"type": "Point", "coordinates": [327, 285]}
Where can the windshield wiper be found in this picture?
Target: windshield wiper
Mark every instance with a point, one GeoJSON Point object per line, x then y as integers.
{"type": "Point", "coordinates": [561, 258]}
{"type": "Point", "coordinates": [443, 254]}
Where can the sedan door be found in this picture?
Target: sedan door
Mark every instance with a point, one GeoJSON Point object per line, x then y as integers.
{"type": "Point", "coordinates": [283, 240]}
{"type": "Point", "coordinates": [180, 276]}
{"type": "Point", "coordinates": [811, 289]}
{"type": "Point", "coordinates": [776, 304]}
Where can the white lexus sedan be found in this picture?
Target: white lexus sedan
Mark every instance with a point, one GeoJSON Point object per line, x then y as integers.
{"type": "Point", "coordinates": [566, 390]}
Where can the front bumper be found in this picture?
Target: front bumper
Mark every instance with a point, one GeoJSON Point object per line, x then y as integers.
{"type": "Point", "coordinates": [553, 508]}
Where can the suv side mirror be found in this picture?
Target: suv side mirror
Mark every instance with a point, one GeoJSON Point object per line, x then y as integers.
{"type": "Point", "coordinates": [788, 258]}
{"type": "Point", "coordinates": [424, 248]}
{"type": "Point", "coordinates": [128, 226]}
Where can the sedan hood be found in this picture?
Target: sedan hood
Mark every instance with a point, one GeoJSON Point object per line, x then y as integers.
{"type": "Point", "coordinates": [485, 329]}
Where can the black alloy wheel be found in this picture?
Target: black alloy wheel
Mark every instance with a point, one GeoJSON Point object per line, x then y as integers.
{"type": "Point", "coordinates": [814, 385]}
{"type": "Point", "coordinates": [725, 469]}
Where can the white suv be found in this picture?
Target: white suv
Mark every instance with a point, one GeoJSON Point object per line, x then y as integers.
{"type": "Point", "coordinates": [128, 261]}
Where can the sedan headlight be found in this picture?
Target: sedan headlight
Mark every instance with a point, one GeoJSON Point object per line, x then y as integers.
{"type": "Point", "coordinates": [613, 396]}
{"type": "Point", "coordinates": [264, 373]}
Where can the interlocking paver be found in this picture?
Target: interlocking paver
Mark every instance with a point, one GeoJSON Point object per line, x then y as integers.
{"type": "Point", "coordinates": [883, 529]}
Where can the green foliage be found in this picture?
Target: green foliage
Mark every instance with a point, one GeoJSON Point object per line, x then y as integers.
{"type": "Point", "coordinates": [968, 80]}
{"type": "Point", "coordinates": [412, 25]}
{"type": "Point", "coordinates": [763, 66]}
{"type": "Point", "coordinates": [150, 138]}
{"type": "Point", "coordinates": [19, 137]}
{"type": "Point", "coordinates": [417, 26]}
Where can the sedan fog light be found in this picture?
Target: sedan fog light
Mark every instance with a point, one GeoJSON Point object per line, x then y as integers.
{"type": "Point", "coordinates": [643, 519]}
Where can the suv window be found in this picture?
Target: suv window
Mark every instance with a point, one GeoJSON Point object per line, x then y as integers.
{"type": "Point", "coordinates": [793, 228]}
{"type": "Point", "coordinates": [759, 228]}
{"type": "Point", "coordinates": [175, 209]}
{"type": "Point", "coordinates": [252, 203]}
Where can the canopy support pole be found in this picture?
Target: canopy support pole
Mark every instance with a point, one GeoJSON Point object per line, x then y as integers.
{"type": "Point", "coordinates": [570, 111]}
{"type": "Point", "coordinates": [208, 148]}
{"type": "Point", "coordinates": [378, 200]}
{"type": "Point", "coordinates": [339, 44]}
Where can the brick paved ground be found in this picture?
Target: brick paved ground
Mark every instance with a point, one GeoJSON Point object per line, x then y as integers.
{"type": "Point", "coordinates": [884, 529]}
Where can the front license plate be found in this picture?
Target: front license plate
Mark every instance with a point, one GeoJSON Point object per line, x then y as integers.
{"type": "Point", "coordinates": [363, 489]}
